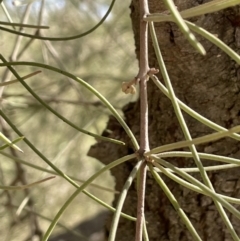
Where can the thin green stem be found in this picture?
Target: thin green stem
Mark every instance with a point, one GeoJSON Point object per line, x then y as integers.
{"type": "Point", "coordinates": [216, 41]}
{"type": "Point", "coordinates": [55, 112]}
{"type": "Point", "coordinates": [145, 233]}
{"type": "Point", "coordinates": [90, 88]}
{"type": "Point", "coordinates": [209, 7]}
{"type": "Point", "coordinates": [193, 113]}
{"type": "Point", "coordinates": [56, 169]}
{"type": "Point", "coordinates": [80, 189]}
{"type": "Point", "coordinates": [170, 173]}
{"type": "Point", "coordinates": [210, 168]}
{"type": "Point", "coordinates": [183, 26]}
{"type": "Point", "coordinates": [202, 155]}
{"type": "Point", "coordinates": [18, 160]}
{"type": "Point", "coordinates": [184, 127]}
{"type": "Point", "coordinates": [195, 141]}
{"type": "Point", "coordinates": [9, 142]}
{"type": "Point", "coordinates": [175, 204]}
{"type": "Point", "coordinates": [6, 13]}
{"type": "Point", "coordinates": [121, 200]}
{"type": "Point", "coordinates": [207, 190]}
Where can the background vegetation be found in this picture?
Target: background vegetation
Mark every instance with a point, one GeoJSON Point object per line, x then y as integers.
{"type": "Point", "coordinates": [66, 148]}
{"type": "Point", "coordinates": [104, 59]}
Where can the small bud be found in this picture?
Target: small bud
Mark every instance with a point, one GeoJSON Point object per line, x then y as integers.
{"type": "Point", "coordinates": [128, 87]}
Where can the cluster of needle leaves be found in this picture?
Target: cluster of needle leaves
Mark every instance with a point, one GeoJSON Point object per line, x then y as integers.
{"type": "Point", "coordinates": [152, 160]}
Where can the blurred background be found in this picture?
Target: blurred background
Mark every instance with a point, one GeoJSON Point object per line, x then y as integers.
{"type": "Point", "coordinates": [104, 59]}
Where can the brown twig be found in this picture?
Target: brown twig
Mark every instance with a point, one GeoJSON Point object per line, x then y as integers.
{"type": "Point", "coordinates": [16, 80]}
{"type": "Point", "coordinates": [142, 77]}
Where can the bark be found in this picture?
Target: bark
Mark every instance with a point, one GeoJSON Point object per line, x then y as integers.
{"type": "Point", "coordinates": [211, 86]}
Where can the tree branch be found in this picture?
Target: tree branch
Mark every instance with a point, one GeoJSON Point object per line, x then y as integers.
{"type": "Point", "coordinates": [142, 77]}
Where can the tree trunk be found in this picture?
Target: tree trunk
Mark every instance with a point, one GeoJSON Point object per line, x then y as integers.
{"type": "Point", "coordinates": [211, 86]}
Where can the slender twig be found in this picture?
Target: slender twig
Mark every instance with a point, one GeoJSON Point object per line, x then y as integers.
{"type": "Point", "coordinates": [144, 140]}
{"type": "Point", "coordinates": [141, 202]}
{"type": "Point", "coordinates": [4, 187]}
{"type": "Point", "coordinates": [21, 161]}
{"type": "Point", "coordinates": [16, 80]}
{"type": "Point", "coordinates": [121, 200]}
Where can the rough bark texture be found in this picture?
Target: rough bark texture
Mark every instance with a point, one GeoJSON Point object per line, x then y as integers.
{"type": "Point", "coordinates": [211, 86]}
